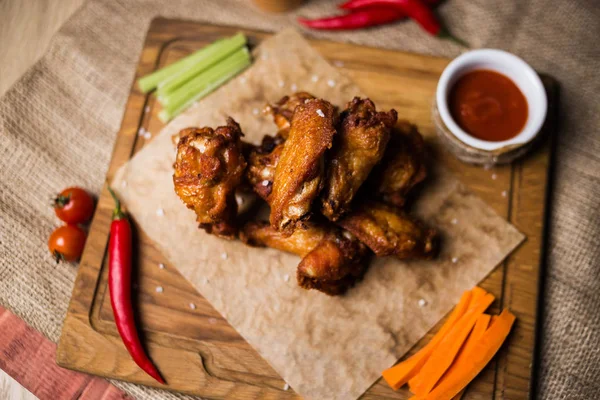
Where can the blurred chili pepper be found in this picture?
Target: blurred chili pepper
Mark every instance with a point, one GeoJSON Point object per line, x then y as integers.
{"type": "Point", "coordinates": [350, 4]}
{"type": "Point", "coordinates": [365, 17]}
{"type": "Point", "coordinates": [415, 9]}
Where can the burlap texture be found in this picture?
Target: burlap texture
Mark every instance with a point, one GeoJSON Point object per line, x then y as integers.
{"type": "Point", "coordinates": [58, 125]}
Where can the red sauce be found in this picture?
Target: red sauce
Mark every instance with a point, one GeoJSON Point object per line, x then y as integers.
{"type": "Point", "coordinates": [488, 106]}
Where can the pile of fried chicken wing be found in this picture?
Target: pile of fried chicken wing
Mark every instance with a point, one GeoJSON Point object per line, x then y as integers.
{"type": "Point", "coordinates": [335, 183]}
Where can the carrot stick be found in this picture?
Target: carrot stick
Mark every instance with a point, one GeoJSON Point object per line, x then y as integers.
{"type": "Point", "coordinates": [478, 330]}
{"type": "Point", "coordinates": [480, 355]}
{"type": "Point", "coordinates": [442, 357]}
{"type": "Point", "coordinates": [477, 294]}
{"type": "Point", "coordinates": [494, 318]}
{"type": "Point", "coordinates": [399, 374]}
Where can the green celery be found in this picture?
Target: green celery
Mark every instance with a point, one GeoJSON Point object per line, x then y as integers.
{"type": "Point", "coordinates": [151, 81]}
{"type": "Point", "coordinates": [204, 84]}
{"type": "Point", "coordinates": [212, 57]}
{"type": "Point", "coordinates": [204, 79]}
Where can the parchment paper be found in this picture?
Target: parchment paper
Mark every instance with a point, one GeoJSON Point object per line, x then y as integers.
{"type": "Point", "coordinates": [324, 347]}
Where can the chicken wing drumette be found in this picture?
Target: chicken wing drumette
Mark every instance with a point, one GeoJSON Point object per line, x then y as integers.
{"type": "Point", "coordinates": [402, 166]}
{"type": "Point", "coordinates": [333, 259]}
{"type": "Point", "coordinates": [300, 170]}
{"type": "Point", "coordinates": [361, 141]}
{"type": "Point", "coordinates": [283, 110]}
{"type": "Point", "coordinates": [388, 231]}
{"type": "Point", "coordinates": [208, 169]}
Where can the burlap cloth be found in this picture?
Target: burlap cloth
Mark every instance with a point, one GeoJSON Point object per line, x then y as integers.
{"type": "Point", "coordinates": [58, 125]}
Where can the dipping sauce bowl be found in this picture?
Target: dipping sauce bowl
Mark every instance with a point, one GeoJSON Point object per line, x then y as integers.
{"type": "Point", "coordinates": [470, 148]}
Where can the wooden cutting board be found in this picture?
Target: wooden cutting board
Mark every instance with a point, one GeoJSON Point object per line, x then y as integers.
{"type": "Point", "coordinates": [199, 351]}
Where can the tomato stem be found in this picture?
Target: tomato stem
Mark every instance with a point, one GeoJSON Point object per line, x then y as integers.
{"type": "Point", "coordinates": [61, 201]}
{"type": "Point", "coordinates": [58, 257]}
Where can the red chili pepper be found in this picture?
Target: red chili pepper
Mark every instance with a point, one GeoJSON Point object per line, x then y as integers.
{"type": "Point", "coordinates": [356, 19]}
{"type": "Point", "coordinates": [415, 9]}
{"type": "Point", "coordinates": [119, 285]}
{"type": "Point", "coordinates": [355, 4]}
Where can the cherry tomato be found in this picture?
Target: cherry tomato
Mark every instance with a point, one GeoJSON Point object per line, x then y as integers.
{"type": "Point", "coordinates": [74, 206]}
{"type": "Point", "coordinates": [66, 243]}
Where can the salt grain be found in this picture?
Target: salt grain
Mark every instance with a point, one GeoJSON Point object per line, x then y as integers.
{"type": "Point", "coordinates": [124, 184]}
{"type": "Point", "coordinates": [294, 87]}
{"type": "Point", "coordinates": [331, 83]}
{"type": "Point", "coordinates": [281, 83]}
{"type": "Point", "coordinates": [159, 289]}
{"type": "Point", "coordinates": [422, 302]}
{"type": "Point", "coordinates": [141, 131]}
{"type": "Point", "coordinates": [192, 306]}
{"type": "Point", "coordinates": [494, 176]}
{"type": "Point", "coordinates": [160, 212]}
{"type": "Point", "coordinates": [286, 386]}
{"type": "Point", "coordinates": [255, 111]}
{"type": "Point", "coordinates": [454, 221]}
{"type": "Point", "coordinates": [243, 79]}
{"type": "Point", "coordinates": [504, 193]}
{"type": "Point", "coordinates": [224, 256]}
{"type": "Point", "coordinates": [338, 63]}
{"type": "Point", "coordinates": [286, 278]}
{"type": "Point", "coordinates": [265, 183]}
{"type": "Point", "coordinates": [314, 78]}
{"type": "Point", "coordinates": [147, 109]}
{"type": "Point", "coordinates": [147, 135]}
{"type": "Point", "coordinates": [212, 321]}
{"type": "Point", "coordinates": [487, 167]}
{"type": "Point", "coordinates": [454, 260]}
{"type": "Point", "coordinates": [161, 266]}
{"type": "Point", "coordinates": [320, 112]}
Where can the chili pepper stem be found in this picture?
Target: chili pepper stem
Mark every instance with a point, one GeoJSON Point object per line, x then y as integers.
{"type": "Point", "coordinates": [117, 212]}
{"type": "Point", "coordinates": [445, 34]}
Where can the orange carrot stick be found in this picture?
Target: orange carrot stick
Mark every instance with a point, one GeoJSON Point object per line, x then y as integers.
{"type": "Point", "coordinates": [442, 357]}
{"type": "Point", "coordinates": [398, 375]}
{"type": "Point", "coordinates": [478, 330]}
{"type": "Point", "coordinates": [477, 294]}
{"type": "Point", "coordinates": [479, 356]}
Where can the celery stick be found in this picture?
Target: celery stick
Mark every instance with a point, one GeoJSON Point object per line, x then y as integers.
{"type": "Point", "coordinates": [226, 73]}
{"type": "Point", "coordinates": [212, 57]}
{"type": "Point", "coordinates": [151, 81]}
{"type": "Point", "coordinates": [204, 79]}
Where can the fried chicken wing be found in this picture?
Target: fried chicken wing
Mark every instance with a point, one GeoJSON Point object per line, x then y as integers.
{"type": "Point", "coordinates": [299, 172]}
{"type": "Point", "coordinates": [208, 169]}
{"type": "Point", "coordinates": [283, 110]}
{"type": "Point", "coordinates": [402, 166]}
{"type": "Point", "coordinates": [261, 166]}
{"type": "Point", "coordinates": [359, 145]}
{"type": "Point", "coordinates": [389, 231]}
{"type": "Point", "coordinates": [333, 259]}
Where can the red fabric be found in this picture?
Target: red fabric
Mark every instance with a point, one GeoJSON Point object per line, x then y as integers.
{"type": "Point", "coordinates": [29, 358]}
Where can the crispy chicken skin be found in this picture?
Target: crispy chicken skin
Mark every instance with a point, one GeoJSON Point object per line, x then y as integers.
{"type": "Point", "coordinates": [333, 259]}
{"type": "Point", "coordinates": [208, 169]}
{"type": "Point", "coordinates": [361, 141]}
{"type": "Point", "coordinates": [261, 166]}
{"type": "Point", "coordinates": [283, 110]}
{"type": "Point", "coordinates": [389, 231]}
{"type": "Point", "coordinates": [402, 166]}
{"type": "Point", "coordinates": [300, 170]}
